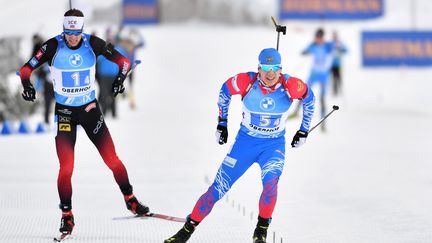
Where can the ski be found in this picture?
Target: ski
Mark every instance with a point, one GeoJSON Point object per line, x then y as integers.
{"type": "Point", "coordinates": [152, 215]}
{"type": "Point", "coordinates": [62, 237]}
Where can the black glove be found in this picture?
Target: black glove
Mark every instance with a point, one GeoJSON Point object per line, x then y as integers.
{"type": "Point", "coordinates": [299, 139]}
{"type": "Point", "coordinates": [29, 93]}
{"type": "Point", "coordinates": [117, 85]}
{"type": "Point", "coordinates": [221, 134]}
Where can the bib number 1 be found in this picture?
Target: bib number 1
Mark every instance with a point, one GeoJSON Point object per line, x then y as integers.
{"type": "Point", "coordinates": [76, 79]}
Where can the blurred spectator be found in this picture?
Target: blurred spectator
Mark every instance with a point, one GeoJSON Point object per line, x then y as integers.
{"type": "Point", "coordinates": [322, 53]}
{"type": "Point", "coordinates": [336, 69]}
{"type": "Point", "coordinates": [43, 80]}
{"type": "Point", "coordinates": [106, 71]}
{"type": "Point", "coordinates": [130, 40]}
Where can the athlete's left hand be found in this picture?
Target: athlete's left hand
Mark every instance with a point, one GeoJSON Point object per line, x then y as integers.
{"type": "Point", "coordinates": [221, 134]}
{"type": "Point", "coordinates": [299, 139]}
{"type": "Point", "coordinates": [117, 86]}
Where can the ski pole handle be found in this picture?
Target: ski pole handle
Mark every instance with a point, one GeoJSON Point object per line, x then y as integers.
{"type": "Point", "coordinates": [279, 29]}
{"type": "Point", "coordinates": [335, 108]}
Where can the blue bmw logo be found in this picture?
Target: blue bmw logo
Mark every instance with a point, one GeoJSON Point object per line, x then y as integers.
{"type": "Point", "coordinates": [267, 104]}
{"type": "Point", "coordinates": [75, 60]}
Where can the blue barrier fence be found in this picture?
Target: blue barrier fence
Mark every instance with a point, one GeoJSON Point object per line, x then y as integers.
{"type": "Point", "coordinates": [21, 127]}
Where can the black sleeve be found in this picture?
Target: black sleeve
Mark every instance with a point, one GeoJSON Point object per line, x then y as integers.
{"type": "Point", "coordinates": [98, 45]}
{"type": "Point", "coordinates": [45, 54]}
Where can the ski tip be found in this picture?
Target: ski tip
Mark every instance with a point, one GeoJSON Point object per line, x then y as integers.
{"type": "Point", "coordinates": [62, 237]}
{"type": "Point", "coordinates": [137, 62]}
{"type": "Point", "coordinates": [152, 215]}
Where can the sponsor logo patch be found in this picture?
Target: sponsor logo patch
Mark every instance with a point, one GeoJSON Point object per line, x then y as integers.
{"type": "Point", "coordinates": [33, 62]}
{"type": "Point", "coordinates": [39, 54]}
{"type": "Point", "coordinates": [267, 104]}
{"type": "Point", "coordinates": [90, 106]}
{"type": "Point", "coordinates": [64, 119]}
{"type": "Point", "coordinates": [300, 86]}
{"type": "Point", "coordinates": [98, 125]}
{"type": "Point", "coordinates": [65, 111]}
{"type": "Point", "coordinates": [76, 90]}
{"type": "Point", "coordinates": [125, 68]}
{"type": "Point", "coordinates": [229, 161]}
{"type": "Point", "coordinates": [75, 60]}
{"type": "Point", "coordinates": [64, 127]}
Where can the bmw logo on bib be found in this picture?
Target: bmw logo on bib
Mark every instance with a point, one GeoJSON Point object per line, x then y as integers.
{"type": "Point", "coordinates": [267, 104]}
{"type": "Point", "coordinates": [75, 60]}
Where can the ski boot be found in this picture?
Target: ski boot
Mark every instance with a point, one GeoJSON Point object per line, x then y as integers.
{"type": "Point", "coordinates": [184, 233]}
{"type": "Point", "coordinates": [260, 233]}
{"type": "Point", "coordinates": [67, 222]}
{"type": "Point", "coordinates": [135, 206]}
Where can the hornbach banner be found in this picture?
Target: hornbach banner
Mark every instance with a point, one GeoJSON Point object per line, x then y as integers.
{"type": "Point", "coordinates": [397, 48]}
{"type": "Point", "coordinates": [140, 12]}
{"type": "Point", "coordinates": [330, 9]}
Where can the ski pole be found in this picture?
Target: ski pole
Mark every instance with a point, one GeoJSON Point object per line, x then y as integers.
{"type": "Point", "coordinates": [279, 29]}
{"type": "Point", "coordinates": [335, 108]}
{"type": "Point", "coordinates": [136, 62]}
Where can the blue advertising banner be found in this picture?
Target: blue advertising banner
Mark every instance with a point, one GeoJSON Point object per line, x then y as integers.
{"type": "Point", "coordinates": [140, 12]}
{"type": "Point", "coordinates": [396, 48]}
{"type": "Point", "coordinates": [330, 9]}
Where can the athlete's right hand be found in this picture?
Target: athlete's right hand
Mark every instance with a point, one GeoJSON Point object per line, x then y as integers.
{"type": "Point", "coordinates": [299, 139]}
{"type": "Point", "coordinates": [221, 134]}
{"type": "Point", "coordinates": [29, 93]}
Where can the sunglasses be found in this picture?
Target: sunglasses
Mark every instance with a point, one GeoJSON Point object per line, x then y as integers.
{"type": "Point", "coordinates": [267, 68]}
{"type": "Point", "coordinates": [72, 32]}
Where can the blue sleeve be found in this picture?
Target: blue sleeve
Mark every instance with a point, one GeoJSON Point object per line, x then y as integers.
{"type": "Point", "coordinates": [308, 110]}
{"type": "Point", "coordinates": [223, 104]}
{"type": "Point", "coordinates": [330, 46]}
{"type": "Point", "coordinates": [307, 50]}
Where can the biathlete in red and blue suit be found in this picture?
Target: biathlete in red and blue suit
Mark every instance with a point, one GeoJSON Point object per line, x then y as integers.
{"type": "Point", "coordinates": [71, 57]}
{"type": "Point", "coordinates": [267, 95]}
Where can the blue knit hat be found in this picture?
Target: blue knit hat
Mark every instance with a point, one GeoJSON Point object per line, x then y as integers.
{"type": "Point", "coordinates": [269, 56]}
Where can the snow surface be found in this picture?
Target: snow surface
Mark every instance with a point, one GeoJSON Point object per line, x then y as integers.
{"type": "Point", "coordinates": [366, 180]}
